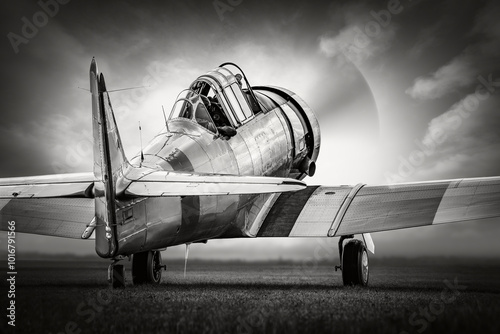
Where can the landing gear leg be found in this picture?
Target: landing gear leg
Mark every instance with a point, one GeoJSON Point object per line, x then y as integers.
{"type": "Point", "coordinates": [116, 275]}
{"type": "Point", "coordinates": [341, 248]}
{"type": "Point", "coordinates": [146, 267]}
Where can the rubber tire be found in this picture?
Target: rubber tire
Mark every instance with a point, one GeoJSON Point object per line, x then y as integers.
{"type": "Point", "coordinates": [146, 267]}
{"type": "Point", "coordinates": [118, 276]}
{"type": "Point", "coordinates": [355, 270]}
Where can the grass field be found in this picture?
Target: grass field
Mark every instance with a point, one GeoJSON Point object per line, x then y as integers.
{"type": "Point", "coordinates": [440, 297]}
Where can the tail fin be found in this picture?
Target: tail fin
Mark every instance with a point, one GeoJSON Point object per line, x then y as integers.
{"type": "Point", "coordinates": [109, 164]}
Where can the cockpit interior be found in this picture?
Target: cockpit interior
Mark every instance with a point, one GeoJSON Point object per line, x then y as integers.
{"type": "Point", "coordinates": [218, 102]}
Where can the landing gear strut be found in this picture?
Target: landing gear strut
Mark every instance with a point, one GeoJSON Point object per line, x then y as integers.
{"type": "Point", "coordinates": [146, 267]}
{"type": "Point", "coordinates": [116, 274]}
{"type": "Point", "coordinates": [353, 262]}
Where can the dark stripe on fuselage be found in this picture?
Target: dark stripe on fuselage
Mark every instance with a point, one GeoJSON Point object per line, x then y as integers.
{"type": "Point", "coordinates": [190, 205]}
{"type": "Point", "coordinates": [280, 220]}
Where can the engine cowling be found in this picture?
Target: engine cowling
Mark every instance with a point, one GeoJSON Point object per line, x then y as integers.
{"type": "Point", "coordinates": [303, 126]}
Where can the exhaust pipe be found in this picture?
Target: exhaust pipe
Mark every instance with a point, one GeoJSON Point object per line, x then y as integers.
{"type": "Point", "coordinates": [307, 166]}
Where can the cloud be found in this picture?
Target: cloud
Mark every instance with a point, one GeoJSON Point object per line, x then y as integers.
{"type": "Point", "coordinates": [426, 38]}
{"type": "Point", "coordinates": [463, 141]}
{"type": "Point", "coordinates": [52, 144]}
{"type": "Point", "coordinates": [456, 74]}
{"type": "Point", "coordinates": [486, 20]}
{"type": "Point", "coordinates": [461, 71]}
{"type": "Point", "coordinates": [353, 43]}
{"type": "Point", "coordinates": [488, 25]}
{"type": "Point", "coordinates": [365, 35]}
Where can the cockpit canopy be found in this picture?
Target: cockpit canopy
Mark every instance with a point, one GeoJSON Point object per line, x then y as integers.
{"type": "Point", "coordinates": [194, 107]}
{"type": "Point", "coordinates": [217, 100]}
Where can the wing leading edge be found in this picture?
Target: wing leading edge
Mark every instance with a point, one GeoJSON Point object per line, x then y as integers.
{"type": "Point", "coordinates": [166, 183]}
{"type": "Point", "coordinates": [345, 210]}
{"type": "Point", "coordinates": [57, 185]}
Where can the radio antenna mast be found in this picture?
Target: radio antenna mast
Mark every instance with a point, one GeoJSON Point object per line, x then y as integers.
{"type": "Point", "coordinates": [140, 136]}
{"type": "Point", "coordinates": [165, 117]}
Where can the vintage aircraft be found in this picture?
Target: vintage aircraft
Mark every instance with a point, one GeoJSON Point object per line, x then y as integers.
{"type": "Point", "coordinates": [229, 164]}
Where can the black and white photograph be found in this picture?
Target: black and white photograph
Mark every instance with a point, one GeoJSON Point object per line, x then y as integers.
{"type": "Point", "coordinates": [238, 166]}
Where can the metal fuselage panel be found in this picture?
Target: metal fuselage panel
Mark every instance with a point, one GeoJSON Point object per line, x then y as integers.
{"type": "Point", "coordinates": [262, 146]}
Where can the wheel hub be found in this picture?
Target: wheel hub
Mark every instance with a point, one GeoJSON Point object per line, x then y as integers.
{"type": "Point", "coordinates": [364, 266]}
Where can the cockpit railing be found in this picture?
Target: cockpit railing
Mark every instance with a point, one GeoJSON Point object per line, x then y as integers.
{"type": "Point", "coordinates": [254, 102]}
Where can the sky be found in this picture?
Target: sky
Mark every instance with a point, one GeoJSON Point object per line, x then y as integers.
{"type": "Point", "coordinates": [403, 90]}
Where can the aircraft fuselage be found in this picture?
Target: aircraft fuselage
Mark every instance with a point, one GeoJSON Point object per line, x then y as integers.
{"type": "Point", "coordinates": [281, 139]}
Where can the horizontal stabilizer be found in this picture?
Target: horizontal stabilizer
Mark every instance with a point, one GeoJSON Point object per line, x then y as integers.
{"type": "Point", "coordinates": [61, 217]}
{"type": "Point", "coordinates": [163, 183]}
{"type": "Point", "coordinates": [46, 186]}
{"type": "Point", "coordinates": [57, 205]}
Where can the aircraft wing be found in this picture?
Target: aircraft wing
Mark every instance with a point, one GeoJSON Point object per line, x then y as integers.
{"type": "Point", "coordinates": [336, 211]}
{"type": "Point", "coordinates": [63, 205]}
{"type": "Point", "coordinates": [164, 183]}
{"type": "Point", "coordinates": [58, 205]}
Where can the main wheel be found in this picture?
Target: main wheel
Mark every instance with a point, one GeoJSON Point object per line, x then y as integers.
{"type": "Point", "coordinates": [146, 267]}
{"type": "Point", "coordinates": [355, 264]}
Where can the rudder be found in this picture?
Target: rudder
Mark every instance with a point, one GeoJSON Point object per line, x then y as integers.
{"type": "Point", "coordinates": [109, 164]}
